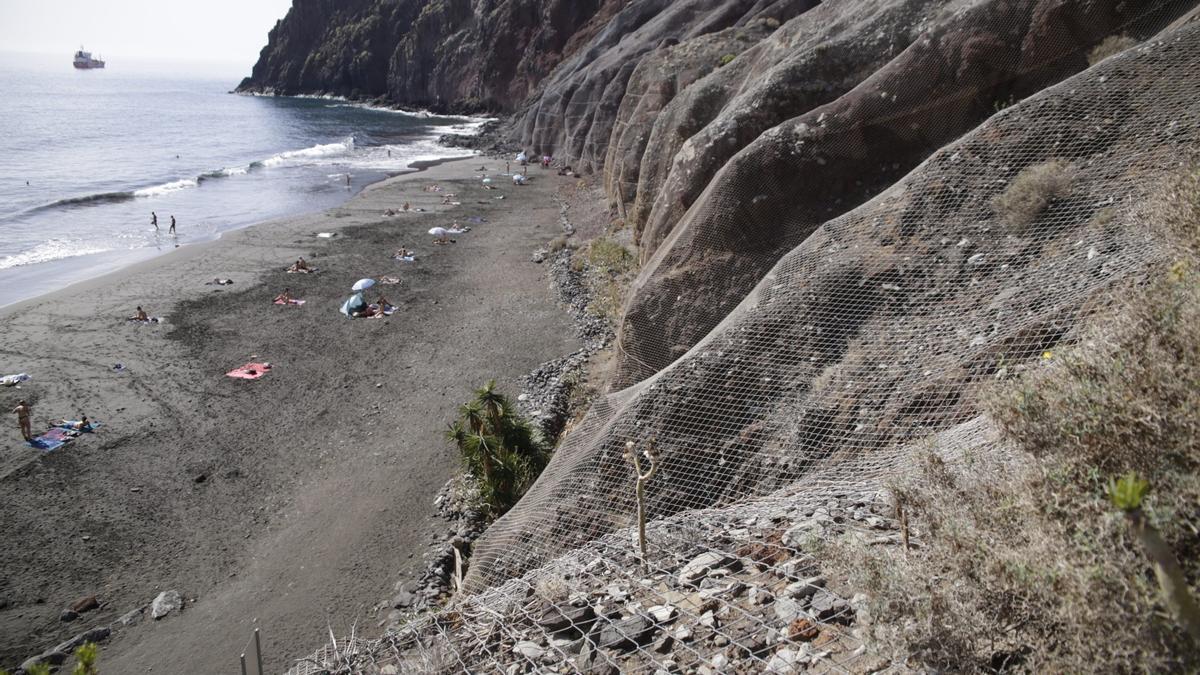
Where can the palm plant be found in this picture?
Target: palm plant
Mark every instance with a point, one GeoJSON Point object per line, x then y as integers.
{"type": "Point", "coordinates": [498, 447]}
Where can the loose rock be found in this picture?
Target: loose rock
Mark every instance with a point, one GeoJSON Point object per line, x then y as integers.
{"type": "Point", "coordinates": [165, 603]}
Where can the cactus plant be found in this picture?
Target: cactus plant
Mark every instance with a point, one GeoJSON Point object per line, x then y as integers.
{"type": "Point", "coordinates": [1127, 494]}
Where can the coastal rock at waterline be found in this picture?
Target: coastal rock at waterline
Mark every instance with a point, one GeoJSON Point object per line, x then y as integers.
{"type": "Point", "coordinates": [165, 603]}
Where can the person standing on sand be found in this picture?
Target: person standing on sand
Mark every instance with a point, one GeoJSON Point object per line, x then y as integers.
{"type": "Point", "coordinates": [24, 411]}
{"type": "Point", "coordinates": [172, 230]}
{"type": "Point", "coordinates": [154, 220]}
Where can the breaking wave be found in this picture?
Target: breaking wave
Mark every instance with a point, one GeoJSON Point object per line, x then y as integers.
{"type": "Point", "coordinates": [54, 249]}
{"type": "Point", "coordinates": [307, 155]}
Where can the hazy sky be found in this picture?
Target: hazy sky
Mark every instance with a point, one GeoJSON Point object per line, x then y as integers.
{"type": "Point", "coordinates": [229, 31]}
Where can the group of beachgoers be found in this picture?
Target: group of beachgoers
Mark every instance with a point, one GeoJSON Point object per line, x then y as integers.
{"type": "Point", "coordinates": [356, 306]}
{"type": "Point", "coordinates": [154, 222]}
{"type": "Point", "coordinates": [24, 413]}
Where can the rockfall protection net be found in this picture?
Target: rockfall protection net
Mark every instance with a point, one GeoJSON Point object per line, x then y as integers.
{"type": "Point", "coordinates": [876, 333]}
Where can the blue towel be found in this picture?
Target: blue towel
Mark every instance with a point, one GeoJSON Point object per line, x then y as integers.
{"type": "Point", "coordinates": [51, 440]}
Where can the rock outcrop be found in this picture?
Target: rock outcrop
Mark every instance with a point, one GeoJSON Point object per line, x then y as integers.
{"type": "Point", "coordinates": [882, 325]}
{"type": "Point", "coordinates": [447, 55]}
{"type": "Point", "coordinates": [967, 61]}
{"type": "Point", "coordinates": [576, 108]}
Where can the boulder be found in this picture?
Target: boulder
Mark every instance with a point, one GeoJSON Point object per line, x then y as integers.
{"type": "Point", "coordinates": [626, 634]}
{"type": "Point", "coordinates": [557, 619]}
{"type": "Point", "coordinates": [165, 603]}
{"type": "Point", "coordinates": [702, 564]}
{"type": "Point", "coordinates": [85, 604]}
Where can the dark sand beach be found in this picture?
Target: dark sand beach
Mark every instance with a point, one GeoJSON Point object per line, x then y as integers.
{"type": "Point", "coordinates": [287, 503]}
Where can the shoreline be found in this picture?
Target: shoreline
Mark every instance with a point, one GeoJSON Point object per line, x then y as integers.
{"type": "Point", "coordinates": [119, 261]}
{"type": "Point", "coordinates": [279, 503]}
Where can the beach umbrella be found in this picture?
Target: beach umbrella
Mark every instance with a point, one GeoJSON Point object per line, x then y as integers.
{"type": "Point", "coordinates": [362, 284]}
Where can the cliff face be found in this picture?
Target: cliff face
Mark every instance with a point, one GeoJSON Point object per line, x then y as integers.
{"type": "Point", "coordinates": [680, 105]}
{"type": "Point", "coordinates": [445, 55]}
{"type": "Point", "coordinates": [833, 273]}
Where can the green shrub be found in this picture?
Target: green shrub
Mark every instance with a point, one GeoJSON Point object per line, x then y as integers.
{"type": "Point", "coordinates": [499, 448]}
{"type": "Point", "coordinates": [1032, 191]}
{"type": "Point", "coordinates": [724, 60]}
{"type": "Point", "coordinates": [1113, 44]}
{"type": "Point", "coordinates": [85, 660]}
{"type": "Point", "coordinates": [609, 257]}
{"type": "Point", "coordinates": [38, 669]}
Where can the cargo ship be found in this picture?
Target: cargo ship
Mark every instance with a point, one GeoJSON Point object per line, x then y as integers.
{"type": "Point", "coordinates": [85, 61]}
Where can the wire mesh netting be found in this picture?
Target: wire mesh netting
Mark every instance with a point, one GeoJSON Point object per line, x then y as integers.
{"type": "Point", "coordinates": [876, 331]}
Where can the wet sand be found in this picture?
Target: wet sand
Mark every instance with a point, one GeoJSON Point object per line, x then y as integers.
{"type": "Point", "coordinates": [285, 503]}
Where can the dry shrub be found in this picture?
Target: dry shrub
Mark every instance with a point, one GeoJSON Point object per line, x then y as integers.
{"type": "Point", "coordinates": [557, 244]}
{"type": "Point", "coordinates": [1022, 564]}
{"type": "Point", "coordinates": [1032, 191]}
{"type": "Point", "coordinates": [1175, 210]}
{"type": "Point", "coordinates": [1113, 44]}
{"type": "Point", "coordinates": [610, 267]}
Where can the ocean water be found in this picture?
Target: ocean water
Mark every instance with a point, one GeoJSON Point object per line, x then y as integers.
{"type": "Point", "coordinates": [86, 156]}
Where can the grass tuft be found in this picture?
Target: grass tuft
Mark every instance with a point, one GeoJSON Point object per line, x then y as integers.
{"type": "Point", "coordinates": [1113, 44]}
{"type": "Point", "coordinates": [1032, 191]}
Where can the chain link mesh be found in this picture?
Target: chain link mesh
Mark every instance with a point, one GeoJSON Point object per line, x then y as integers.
{"type": "Point", "coordinates": [877, 331]}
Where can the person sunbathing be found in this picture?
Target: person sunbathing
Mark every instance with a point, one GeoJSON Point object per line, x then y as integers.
{"type": "Point", "coordinates": [81, 424]}
{"type": "Point", "coordinates": [383, 303]}
{"type": "Point", "coordinates": [299, 266]}
{"type": "Point", "coordinates": [285, 297]}
{"type": "Point", "coordinates": [406, 206]}
{"type": "Point", "coordinates": [402, 253]}
{"type": "Point", "coordinates": [441, 235]}
{"type": "Point", "coordinates": [139, 315]}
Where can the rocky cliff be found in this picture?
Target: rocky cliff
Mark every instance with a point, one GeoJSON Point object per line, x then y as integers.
{"type": "Point", "coordinates": [445, 55]}
{"type": "Point", "coordinates": [854, 219]}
